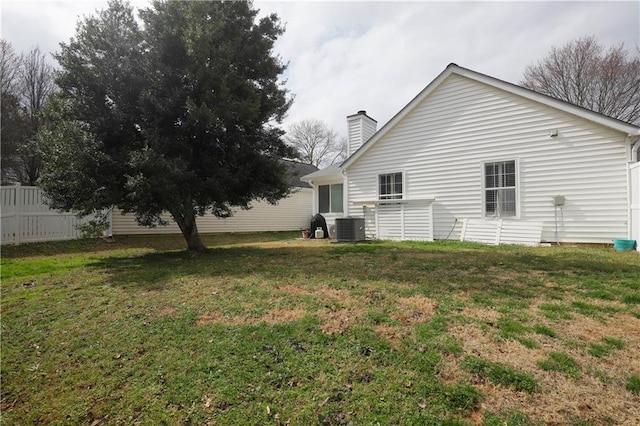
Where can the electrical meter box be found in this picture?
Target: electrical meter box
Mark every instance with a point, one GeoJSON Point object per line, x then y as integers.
{"type": "Point", "coordinates": [558, 200]}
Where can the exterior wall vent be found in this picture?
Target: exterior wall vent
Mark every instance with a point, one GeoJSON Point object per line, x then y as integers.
{"type": "Point", "coordinates": [350, 229]}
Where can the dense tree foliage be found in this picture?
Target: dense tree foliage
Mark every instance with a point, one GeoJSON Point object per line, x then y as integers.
{"type": "Point", "coordinates": [316, 143]}
{"type": "Point", "coordinates": [178, 115]}
{"type": "Point", "coordinates": [583, 73]}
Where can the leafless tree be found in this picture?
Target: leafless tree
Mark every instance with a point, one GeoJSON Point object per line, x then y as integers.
{"type": "Point", "coordinates": [316, 143]}
{"type": "Point", "coordinates": [9, 68]}
{"type": "Point", "coordinates": [27, 83]}
{"type": "Point", "coordinates": [37, 82]}
{"type": "Point", "coordinates": [586, 74]}
{"type": "Point", "coordinates": [11, 113]}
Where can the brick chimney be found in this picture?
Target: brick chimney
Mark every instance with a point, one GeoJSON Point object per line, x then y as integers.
{"type": "Point", "coordinates": [360, 128]}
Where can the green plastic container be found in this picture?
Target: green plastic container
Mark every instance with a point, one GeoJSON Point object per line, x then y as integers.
{"type": "Point", "coordinates": [624, 245]}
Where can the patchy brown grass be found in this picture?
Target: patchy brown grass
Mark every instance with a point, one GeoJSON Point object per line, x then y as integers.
{"type": "Point", "coordinates": [340, 320]}
{"type": "Point", "coordinates": [447, 301]}
{"type": "Point", "coordinates": [596, 396]}
{"type": "Point", "coordinates": [414, 310]}
{"type": "Point", "coordinates": [487, 314]}
{"type": "Point", "coordinates": [168, 311]}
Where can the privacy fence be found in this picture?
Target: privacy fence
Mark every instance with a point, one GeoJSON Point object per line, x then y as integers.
{"type": "Point", "coordinates": [25, 217]}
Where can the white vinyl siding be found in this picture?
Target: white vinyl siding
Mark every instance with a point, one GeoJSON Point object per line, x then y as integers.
{"type": "Point", "coordinates": [389, 227]}
{"type": "Point", "coordinates": [402, 221]}
{"type": "Point", "coordinates": [290, 214]}
{"type": "Point", "coordinates": [444, 141]}
{"type": "Point", "coordinates": [360, 129]}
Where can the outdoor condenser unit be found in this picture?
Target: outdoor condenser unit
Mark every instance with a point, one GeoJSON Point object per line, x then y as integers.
{"type": "Point", "coordinates": [350, 229]}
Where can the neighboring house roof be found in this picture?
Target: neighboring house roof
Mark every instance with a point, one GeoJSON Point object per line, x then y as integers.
{"type": "Point", "coordinates": [332, 170]}
{"type": "Point", "coordinates": [586, 114]}
{"type": "Point", "coordinates": [297, 171]}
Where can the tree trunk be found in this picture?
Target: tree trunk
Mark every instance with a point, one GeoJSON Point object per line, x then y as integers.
{"type": "Point", "coordinates": [187, 224]}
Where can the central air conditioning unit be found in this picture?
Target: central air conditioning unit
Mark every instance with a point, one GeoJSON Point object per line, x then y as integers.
{"type": "Point", "coordinates": [350, 229]}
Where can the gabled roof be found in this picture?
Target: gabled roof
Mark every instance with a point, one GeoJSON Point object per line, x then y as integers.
{"type": "Point", "coordinates": [333, 170]}
{"type": "Point", "coordinates": [584, 113]}
{"type": "Point", "coordinates": [297, 171]}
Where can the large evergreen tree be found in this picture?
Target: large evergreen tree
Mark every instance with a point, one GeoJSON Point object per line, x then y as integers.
{"type": "Point", "coordinates": [179, 115]}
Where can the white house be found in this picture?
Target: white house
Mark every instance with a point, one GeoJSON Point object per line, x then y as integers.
{"type": "Point", "coordinates": [477, 158]}
{"type": "Point", "coordinates": [290, 214]}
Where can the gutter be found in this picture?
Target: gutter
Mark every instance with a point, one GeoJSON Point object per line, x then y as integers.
{"type": "Point", "coordinates": [314, 199]}
{"type": "Point", "coordinates": [634, 150]}
{"type": "Point", "coordinates": [634, 158]}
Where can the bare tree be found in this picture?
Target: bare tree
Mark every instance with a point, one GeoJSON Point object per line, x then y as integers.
{"type": "Point", "coordinates": [37, 83]}
{"type": "Point", "coordinates": [316, 143]}
{"type": "Point", "coordinates": [9, 68]}
{"type": "Point", "coordinates": [13, 116]}
{"type": "Point", "coordinates": [27, 82]}
{"type": "Point", "coordinates": [583, 73]}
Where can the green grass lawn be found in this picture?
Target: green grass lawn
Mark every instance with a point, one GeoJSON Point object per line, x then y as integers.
{"type": "Point", "coordinates": [271, 329]}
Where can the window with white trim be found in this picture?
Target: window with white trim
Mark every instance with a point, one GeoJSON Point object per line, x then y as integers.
{"type": "Point", "coordinates": [390, 186]}
{"type": "Point", "coordinates": [330, 198]}
{"type": "Point", "coordinates": [500, 191]}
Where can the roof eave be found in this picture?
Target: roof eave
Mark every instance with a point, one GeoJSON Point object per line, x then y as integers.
{"type": "Point", "coordinates": [558, 104]}
{"type": "Point", "coordinates": [595, 117]}
{"type": "Point", "coordinates": [323, 174]}
{"type": "Point", "coordinates": [400, 115]}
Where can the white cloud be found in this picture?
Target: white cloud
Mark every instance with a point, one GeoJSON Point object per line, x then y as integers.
{"type": "Point", "coordinates": [376, 56]}
{"type": "Point", "coordinates": [348, 56]}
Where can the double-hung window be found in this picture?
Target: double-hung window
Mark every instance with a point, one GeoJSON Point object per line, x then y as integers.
{"type": "Point", "coordinates": [390, 186]}
{"type": "Point", "coordinates": [500, 191]}
{"type": "Point", "coordinates": [330, 198]}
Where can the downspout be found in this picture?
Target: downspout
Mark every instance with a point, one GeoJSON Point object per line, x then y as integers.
{"type": "Point", "coordinates": [314, 198]}
{"type": "Point", "coordinates": [634, 150]}
{"type": "Point", "coordinates": [345, 194]}
{"type": "Point", "coordinates": [633, 159]}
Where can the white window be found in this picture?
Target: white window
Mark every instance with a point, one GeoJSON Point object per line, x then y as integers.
{"type": "Point", "coordinates": [330, 198]}
{"type": "Point", "coordinates": [500, 191]}
{"type": "Point", "coordinates": [390, 186]}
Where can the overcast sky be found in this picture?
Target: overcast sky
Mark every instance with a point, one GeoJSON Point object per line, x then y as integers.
{"type": "Point", "coordinates": [376, 56]}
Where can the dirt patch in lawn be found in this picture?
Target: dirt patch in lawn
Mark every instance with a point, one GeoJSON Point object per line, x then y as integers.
{"type": "Point", "coordinates": [213, 318]}
{"type": "Point", "coordinates": [323, 292]}
{"type": "Point", "coordinates": [339, 320]}
{"type": "Point", "coordinates": [168, 311]}
{"type": "Point", "coordinates": [340, 310]}
{"type": "Point", "coordinates": [390, 333]}
{"type": "Point", "coordinates": [338, 314]}
{"type": "Point", "coordinates": [598, 395]}
{"type": "Point", "coordinates": [275, 316]}
{"type": "Point", "coordinates": [414, 310]}
{"type": "Point", "coordinates": [486, 315]}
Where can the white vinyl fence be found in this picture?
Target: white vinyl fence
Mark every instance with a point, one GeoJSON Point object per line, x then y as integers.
{"type": "Point", "coordinates": [25, 217]}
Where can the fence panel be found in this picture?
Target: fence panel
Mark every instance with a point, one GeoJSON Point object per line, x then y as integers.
{"type": "Point", "coordinates": [25, 217]}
